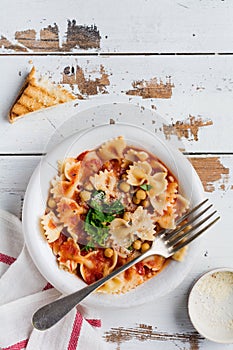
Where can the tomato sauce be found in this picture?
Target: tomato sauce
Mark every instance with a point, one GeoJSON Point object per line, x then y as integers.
{"type": "Point", "coordinates": [69, 250]}
{"type": "Point", "coordinates": [82, 155]}
{"type": "Point", "coordinates": [100, 262]}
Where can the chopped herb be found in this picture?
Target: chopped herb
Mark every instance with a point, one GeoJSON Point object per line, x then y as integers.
{"type": "Point", "coordinates": [95, 228]}
{"type": "Point", "coordinates": [98, 203]}
{"type": "Point", "coordinates": [114, 208]}
{"type": "Point", "coordinates": [96, 200]}
{"type": "Point", "coordinates": [146, 187]}
{"type": "Point", "coordinates": [99, 215]}
{"type": "Point", "coordinates": [88, 246]}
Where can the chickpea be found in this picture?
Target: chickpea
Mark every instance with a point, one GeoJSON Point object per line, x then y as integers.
{"type": "Point", "coordinates": [145, 246]}
{"type": "Point", "coordinates": [108, 252]}
{"type": "Point", "coordinates": [145, 203]}
{"type": "Point", "coordinates": [141, 194]}
{"type": "Point", "coordinates": [127, 216]}
{"type": "Point", "coordinates": [52, 203]}
{"type": "Point", "coordinates": [137, 244]}
{"type": "Point", "coordinates": [136, 200]}
{"type": "Point", "coordinates": [85, 196]}
{"type": "Point", "coordinates": [124, 186]}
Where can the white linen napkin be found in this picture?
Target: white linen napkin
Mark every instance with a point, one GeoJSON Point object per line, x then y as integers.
{"type": "Point", "coordinates": [23, 290]}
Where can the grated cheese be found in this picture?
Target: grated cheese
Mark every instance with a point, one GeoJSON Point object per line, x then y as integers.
{"type": "Point", "coordinates": [215, 293]}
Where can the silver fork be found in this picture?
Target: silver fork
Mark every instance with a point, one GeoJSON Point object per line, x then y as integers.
{"type": "Point", "coordinates": [166, 243]}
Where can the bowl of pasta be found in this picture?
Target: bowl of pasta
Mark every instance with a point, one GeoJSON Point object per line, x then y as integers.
{"type": "Point", "coordinates": [98, 200]}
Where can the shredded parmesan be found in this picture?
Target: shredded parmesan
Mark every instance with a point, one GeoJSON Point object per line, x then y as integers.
{"type": "Point", "coordinates": [215, 293]}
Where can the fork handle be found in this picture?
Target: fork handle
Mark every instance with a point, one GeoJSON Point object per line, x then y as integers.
{"type": "Point", "coordinates": [50, 314]}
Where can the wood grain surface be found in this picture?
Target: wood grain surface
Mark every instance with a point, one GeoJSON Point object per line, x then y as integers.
{"type": "Point", "coordinates": [125, 26]}
{"type": "Point", "coordinates": [195, 112]}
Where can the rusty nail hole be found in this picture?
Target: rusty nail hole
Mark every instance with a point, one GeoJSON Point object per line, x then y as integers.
{"type": "Point", "coordinates": [67, 70]}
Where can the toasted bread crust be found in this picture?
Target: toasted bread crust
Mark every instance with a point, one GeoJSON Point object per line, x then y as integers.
{"type": "Point", "coordinates": [37, 94]}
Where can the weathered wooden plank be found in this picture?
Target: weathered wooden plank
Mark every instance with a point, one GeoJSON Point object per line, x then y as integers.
{"type": "Point", "coordinates": [15, 173]}
{"type": "Point", "coordinates": [125, 26]}
{"type": "Point", "coordinates": [127, 338]}
{"type": "Point", "coordinates": [12, 201]}
{"type": "Point", "coordinates": [215, 172]}
{"type": "Point", "coordinates": [196, 108]}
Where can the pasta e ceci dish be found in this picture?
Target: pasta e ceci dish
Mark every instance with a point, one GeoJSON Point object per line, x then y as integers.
{"type": "Point", "coordinates": [105, 207]}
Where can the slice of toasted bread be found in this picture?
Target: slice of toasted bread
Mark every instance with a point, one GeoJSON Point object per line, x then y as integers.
{"type": "Point", "coordinates": [36, 94]}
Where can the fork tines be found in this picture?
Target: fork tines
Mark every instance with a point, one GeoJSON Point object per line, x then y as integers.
{"type": "Point", "coordinates": [186, 227]}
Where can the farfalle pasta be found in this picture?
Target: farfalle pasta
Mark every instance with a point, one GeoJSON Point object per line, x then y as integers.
{"type": "Point", "coordinates": [106, 207]}
{"type": "Point", "coordinates": [105, 181]}
{"type": "Point", "coordinates": [52, 227]}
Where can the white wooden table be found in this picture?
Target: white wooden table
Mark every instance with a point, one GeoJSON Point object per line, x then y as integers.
{"type": "Point", "coordinates": [175, 57]}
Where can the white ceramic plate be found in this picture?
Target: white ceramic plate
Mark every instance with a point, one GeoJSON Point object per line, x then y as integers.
{"type": "Point", "coordinates": [36, 198]}
{"type": "Point", "coordinates": [211, 305]}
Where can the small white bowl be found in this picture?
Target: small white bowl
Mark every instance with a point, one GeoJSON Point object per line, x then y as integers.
{"type": "Point", "coordinates": [210, 305]}
{"type": "Point", "coordinates": [35, 203]}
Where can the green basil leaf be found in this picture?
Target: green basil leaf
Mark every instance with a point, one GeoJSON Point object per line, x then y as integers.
{"type": "Point", "coordinates": [99, 214]}
{"type": "Point", "coordinates": [146, 187]}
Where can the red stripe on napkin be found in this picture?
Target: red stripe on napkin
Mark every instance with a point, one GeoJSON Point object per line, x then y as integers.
{"type": "Point", "coordinates": [48, 286]}
{"type": "Point", "coordinates": [19, 346]}
{"type": "Point", "coordinates": [94, 322]}
{"type": "Point", "coordinates": [75, 332]}
{"type": "Point", "coordinates": [6, 259]}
